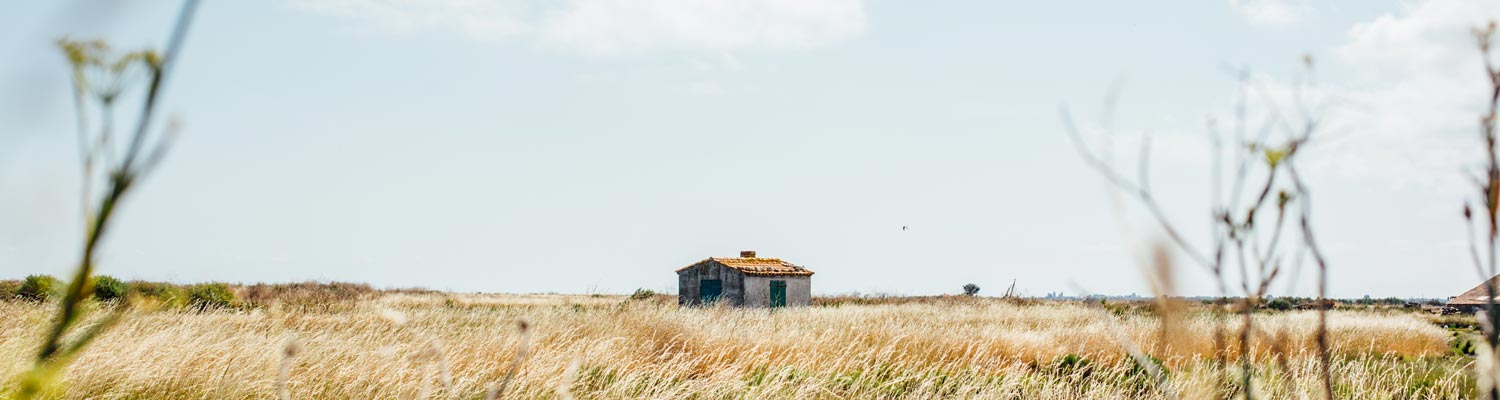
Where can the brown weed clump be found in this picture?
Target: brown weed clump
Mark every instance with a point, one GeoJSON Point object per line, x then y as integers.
{"type": "Point", "coordinates": [304, 295]}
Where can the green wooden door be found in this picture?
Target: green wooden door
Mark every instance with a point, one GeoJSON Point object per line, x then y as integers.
{"type": "Point", "coordinates": [778, 293]}
{"type": "Point", "coordinates": [709, 290]}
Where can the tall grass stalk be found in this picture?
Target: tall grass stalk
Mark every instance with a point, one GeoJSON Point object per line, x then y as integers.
{"type": "Point", "coordinates": [973, 347]}
{"type": "Point", "coordinates": [1241, 238]}
{"type": "Point", "coordinates": [523, 349]}
{"type": "Point", "coordinates": [1488, 188]}
{"type": "Point", "coordinates": [104, 81]}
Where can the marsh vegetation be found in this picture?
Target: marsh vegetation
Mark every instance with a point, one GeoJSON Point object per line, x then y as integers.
{"type": "Point", "coordinates": [406, 344]}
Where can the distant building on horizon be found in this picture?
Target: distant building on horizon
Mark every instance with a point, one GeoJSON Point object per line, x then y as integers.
{"type": "Point", "coordinates": [744, 281]}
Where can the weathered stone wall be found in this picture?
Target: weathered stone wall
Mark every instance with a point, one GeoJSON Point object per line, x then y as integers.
{"type": "Point", "coordinates": [687, 286]}
{"type": "Point", "coordinates": [733, 282]}
{"type": "Point", "coordinates": [758, 290]}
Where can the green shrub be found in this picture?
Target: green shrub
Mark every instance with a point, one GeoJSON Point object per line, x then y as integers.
{"type": "Point", "coordinates": [643, 294]}
{"type": "Point", "coordinates": [163, 294]}
{"type": "Point", "coordinates": [1280, 304]}
{"type": "Point", "coordinates": [210, 295]}
{"type": "Point", "coordinates": [971, 289]}
{"type": "Point", "coordinates": [107, 288]}
{"type": "Point", "coordinates": [40, 287]}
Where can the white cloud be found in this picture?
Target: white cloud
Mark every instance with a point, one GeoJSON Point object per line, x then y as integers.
{"type": "Point", "coordinates": [1427, 38]}
{"type": "Point", "coordinates": [1400, 97]}
{"type": "Point", "coordinates": [1412, 95]}
{"type": "Point", "coordinates": [1272, 13]}
{"type": "Point", "coordinates": [611, 27]}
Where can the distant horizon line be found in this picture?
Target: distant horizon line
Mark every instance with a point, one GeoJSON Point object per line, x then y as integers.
{"type": "Point", "coordinates": [1062, 295]}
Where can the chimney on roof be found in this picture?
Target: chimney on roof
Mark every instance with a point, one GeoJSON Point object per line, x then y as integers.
{"type": "Point", "coordinates": [747, 254]}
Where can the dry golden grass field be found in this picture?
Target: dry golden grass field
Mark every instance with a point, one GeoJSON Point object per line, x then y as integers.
{"type": "Point", "coordinates": [437, 345]}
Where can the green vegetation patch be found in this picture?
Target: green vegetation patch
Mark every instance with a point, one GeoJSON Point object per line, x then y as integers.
{"type": "Point", "coordinates": [210, 295]}
{"type": "Point", "coordinates": [107, 288]}
{"type": "Point", "coordinates": [40, 288]}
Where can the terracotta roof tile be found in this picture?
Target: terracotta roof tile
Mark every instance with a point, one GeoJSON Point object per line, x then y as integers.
{"type": "Point", "coordinates": [1475, 296]}
{"type": "Point", "coordinates": [757, 266]}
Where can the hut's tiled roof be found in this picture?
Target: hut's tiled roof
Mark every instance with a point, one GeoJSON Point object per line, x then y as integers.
{"type": "Point", "coordinates": [758, 266]}
{"type": "Point", "coordinates": [1478, 295]}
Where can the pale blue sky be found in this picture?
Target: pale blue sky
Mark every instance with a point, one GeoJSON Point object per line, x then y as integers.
{"type": "Point", "coordinates": [598, 145]}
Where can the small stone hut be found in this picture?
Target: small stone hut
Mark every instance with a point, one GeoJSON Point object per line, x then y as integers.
{"type": "Point", "coordinates": [1475, 299]}
{"type": "Point", "coordinates": [744, 281]}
